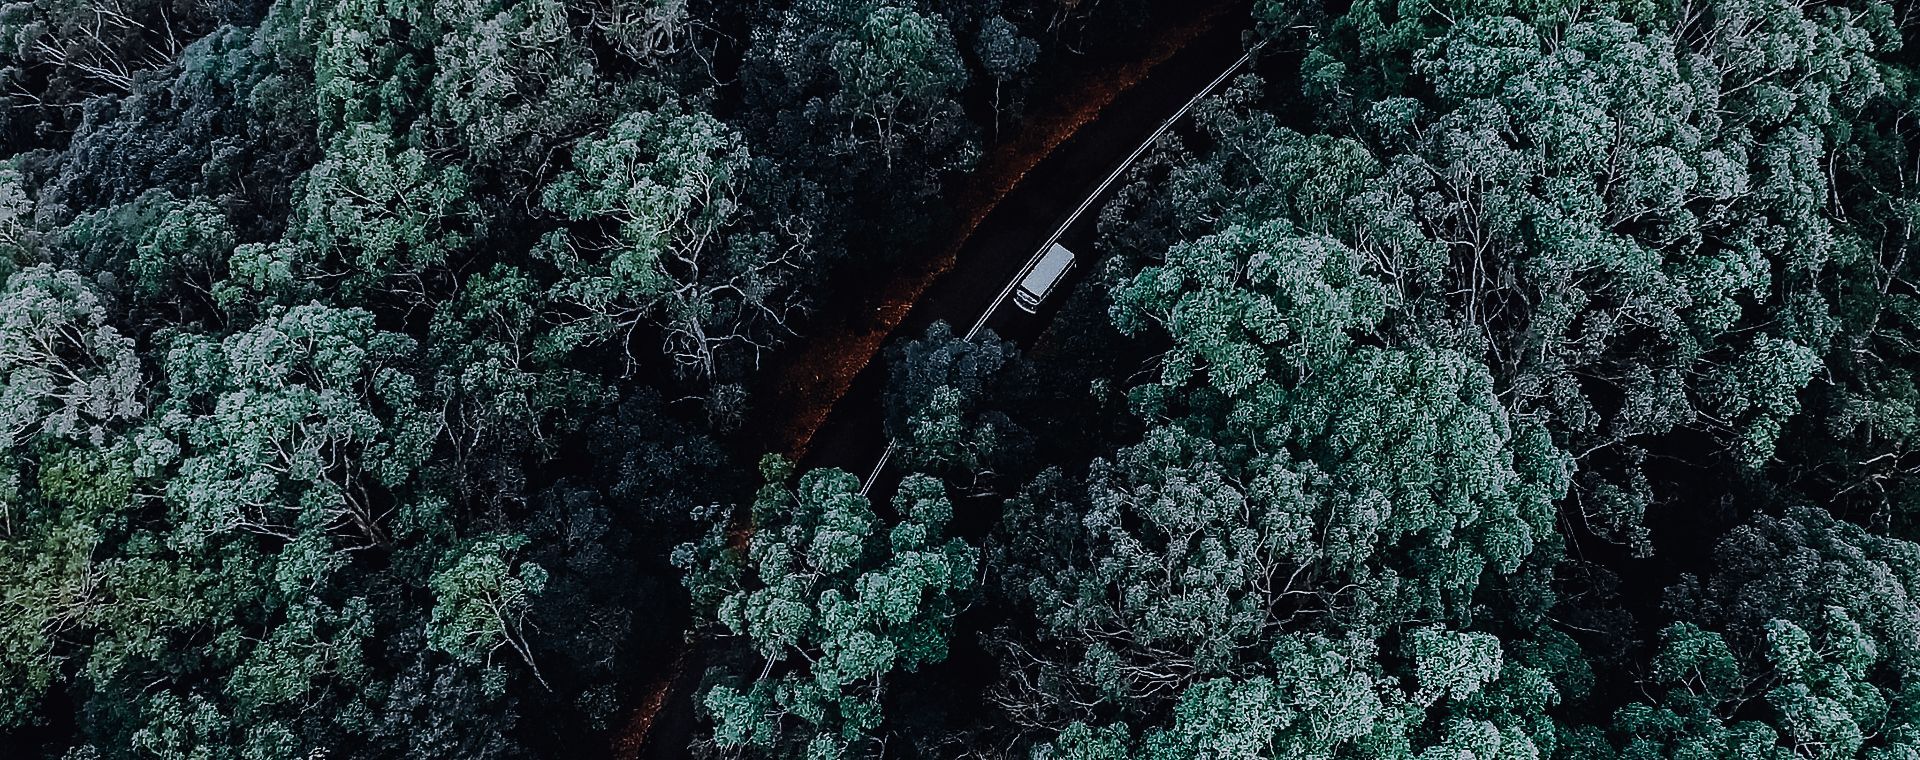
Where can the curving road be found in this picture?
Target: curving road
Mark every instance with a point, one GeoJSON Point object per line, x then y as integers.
{"type": "Point", "coordinates": [994, 309]}
{"type": "Point", "coordinates": [1049, 205]}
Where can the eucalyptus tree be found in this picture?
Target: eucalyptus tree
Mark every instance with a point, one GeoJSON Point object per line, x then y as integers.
{"type": "Point", "coordinates": [863, 99]}
{"type": "Point", "coordinates": [1006, 55]}
{"type": "Point", "coordinates": [895, 65]}
{"type": "Point", "coordinates": [832, 607]}
{"type": "Point", "coordinates": [1798, 642]}
{"type": "Point", "coordinates": [510, 78]}
{"type": "Point", "coordinates": [1307, 491]}
{"type": "Point", "coordinates": [374, 217]}
{"type": "Point", "coordinates": [678, 244]}
{"type": "Point", "coordinates": [310, 421]}
{"type": "Point", "coordinates": [69, 374]}
{"type": "Point", "coordinates": [950, 404]}
{"type": "Point", "coordinates": [482, 599]}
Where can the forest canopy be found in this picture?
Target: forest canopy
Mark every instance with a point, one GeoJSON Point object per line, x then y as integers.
{"type": "Point", "coordinates": [1488, 379]}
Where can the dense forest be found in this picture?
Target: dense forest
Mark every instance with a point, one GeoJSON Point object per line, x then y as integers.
{"type": "Point", "coordinates": [1465, 380]}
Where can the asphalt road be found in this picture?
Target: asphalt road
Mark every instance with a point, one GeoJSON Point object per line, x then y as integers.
{"type": "Point", "coordinates": [1057, 201]}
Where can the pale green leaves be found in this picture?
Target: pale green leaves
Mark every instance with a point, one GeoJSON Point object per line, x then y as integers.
{"type": "Point", "coordinates": [1223, 719]}
{"type": "Point", "coordinates": [374, 214]}
{"type": "Point", "coordinates": [896, 58]}
{"type": "Point", "coordinates": [668, 180]}
{"type": "Point", "coordinates": [482, 598]}
{"type": "Point", "coordinates": [284, 426]}
{"type": "Point", "coordinates": [48, 589]}
{"type": "Point", "coordinates": [1450, 664]}
{"type": "Point", "coordinates": [67, 372]}
{"type": "Point", "coordinates": [184, 248]}
{"type": "Point", "coordinates": [16, 218]}
{"type": "Point", "coordinates": [1324, 699]}
{"type": "Point", "coordinates": [1421, 455]}
{"type": "Point", "coordinates": [381, 209]}
{"type": "Point", "coordinates": [501, 374]}
{"type": "Point", "coordinates": [364, 70]}
{"type": "Point", "coordinates": [1249, 301]}
{"type": "Point", "coordinates": [508, 74]}
{"type": "Point", "coordinates": [1807, 615]}
{"type": "Point", "coordinates": [674, 186]}
{"type": "Point", "coordinates": [834, 606]}
{"type": "Point", "coordinates": [1760, 388]}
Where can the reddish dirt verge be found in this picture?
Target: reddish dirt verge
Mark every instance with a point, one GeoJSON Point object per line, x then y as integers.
{"type": "Point", "coordinates": [632, 737]}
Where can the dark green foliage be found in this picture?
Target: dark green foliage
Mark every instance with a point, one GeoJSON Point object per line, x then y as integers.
{"type": "Point", "coordinates": [1520, 282]}
{"type": "Point", "coordinates": [374, 380]}
{"type": "Point", "coordinates": [229, 123]}
{"type": "Point", "coordinates": [1006, 56]}
{"type": "Point", "coordinates": [361, 360]}
{"type": "Point", "coordinates": [863, 96]}
{"type": "Point", "coordinates": [947, 404]}
{"type": "Point", "coordinates": [1802, 642]}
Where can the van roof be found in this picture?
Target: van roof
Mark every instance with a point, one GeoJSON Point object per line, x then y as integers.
{"type": "Point", "coordinates": [1051, 265]}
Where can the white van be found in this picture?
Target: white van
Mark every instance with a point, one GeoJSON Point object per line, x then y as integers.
{"type": "Point", "coordinates": [1043, 278]}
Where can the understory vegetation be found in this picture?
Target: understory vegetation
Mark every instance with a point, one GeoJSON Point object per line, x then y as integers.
{"type": "Point", "coordinates": [1467, 379]}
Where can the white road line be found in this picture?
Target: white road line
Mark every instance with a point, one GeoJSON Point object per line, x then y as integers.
{"type": "Point", "coordinates": [1113, 176]}
{"type": "Point", "coordinates": [867, 485]}
{"type": "Point", "coordinates": [981, 323]}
